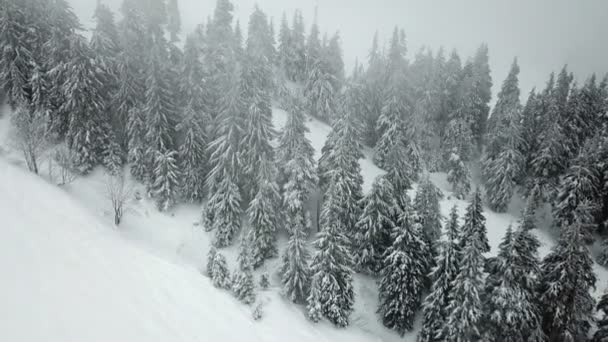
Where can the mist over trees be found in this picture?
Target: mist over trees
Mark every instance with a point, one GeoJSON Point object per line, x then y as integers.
{"type": "Point", "coordinates": [189, 114]}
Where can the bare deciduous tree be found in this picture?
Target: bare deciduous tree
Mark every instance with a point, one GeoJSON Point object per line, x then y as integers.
{"type": "Point", "coordinates": [119, 194]}
{"type": "Point", "coordinates": [30, 136]}
{"type": "Point", "coordinates": [63, 157]}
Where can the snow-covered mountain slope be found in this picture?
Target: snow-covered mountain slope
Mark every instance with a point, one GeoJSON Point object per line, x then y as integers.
{"type": "Point", "coordinates": [70, 275]}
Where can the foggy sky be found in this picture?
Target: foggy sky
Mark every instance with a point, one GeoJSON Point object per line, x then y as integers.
{"type": "Point", "coordinates": [543, 34]}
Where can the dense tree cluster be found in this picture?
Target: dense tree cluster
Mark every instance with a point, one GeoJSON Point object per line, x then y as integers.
{"type": "Point", "coordinates": [193, 123]}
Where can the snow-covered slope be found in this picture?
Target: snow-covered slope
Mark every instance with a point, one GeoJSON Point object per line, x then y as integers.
{"type": "Point", "coordinates": [71, 276]}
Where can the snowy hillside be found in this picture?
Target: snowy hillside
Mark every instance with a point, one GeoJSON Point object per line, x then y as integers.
{"type": "Point", "coordinates": [72, 276]}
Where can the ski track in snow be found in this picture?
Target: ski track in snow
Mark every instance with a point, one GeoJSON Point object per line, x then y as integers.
{"type": "Point", "coordinates": [73, 276]}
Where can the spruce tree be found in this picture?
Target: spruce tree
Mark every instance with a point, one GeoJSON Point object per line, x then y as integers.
{"type": "Point", "coordinates": [566, 278]}
{"type": "Point", "coordinates": [225, 205]}
{"type": "Point", "coordinates": [465, 305]}
{"type": "Point", "coordinates": [601, 334]}
{"type": "Point", "coordinates": [136, 144]}
{"type": "Point", "coordinates": [502, 161]}
{"type": "Point", "coordinates": [331, 292]}
{"type": "Point", "coordinates": [243, 284]}
{"type": "Point", "coordinates": [435, 305]}
{"type": "Point", "coordinates": [220, 276]}
{"type": "Point", "coordinates": [295, 269]}
{"type": "Point", "coordinates": [375, 226]}
{"type": "Point", "coordinates": [192, 156]}
{"type": "Point", "coordinates": [511, 314]}
{"type": "Point", "coordinates": [294, 145]}
{"type": "Point", "coordinates": [403, 276]}
{"type": "Point", "coordinates": [285, 49]}
{"type": "Point", "coordinates": [166, 176]}
{"type": "Point", "coordinates": [475, 221]}
{"type": "Point", "coordinates": [15, 57]}
{"type": "Point", "coordinates": [263, 215]}
{"type": "Point", "coordinates": [84, 103]}
{"type": "Point", "coordinates": [426, 205]}
{"type": "Point", "coordinates": [173, 20]}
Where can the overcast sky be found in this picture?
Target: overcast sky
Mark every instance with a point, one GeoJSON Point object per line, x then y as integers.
{"type": "Point", "coordinates": [543, 34]}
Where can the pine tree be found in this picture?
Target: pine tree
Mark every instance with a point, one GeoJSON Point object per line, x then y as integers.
{"type": "Point", "coordinates": [390, 124]}
{"type": "Point", "coordinates": [263, 215]}
{"type": "Point", "coordinates": [475, 221]}
{"type": "Point", "coordinates": [319, 91]}
{"type": "Point", "coordinates": [166, 177]}
{"type": "Point", "coordinates": [459, 175]}
{"type": "Point", "coordinates": [426, 205]}
{"type": "Point", "coordinates": [341, 166]}
{"type": "Point", "coordinates": [220, 276]}
{"type": "Point", "coordinates": [84, 103]}
{"type": "Point", "coordinates": [331, 292]}
{"type": "Point", "coordinates": [243, 284]}
{"type": "Point", "coordinates": [435, 305]}
{"type": "Point", "coordinates": [136, 144]}
{"type": "Point", "coordinates": [285, 49]}
{"type": "Point", "coordinates": [15, 58]}
{"type": "Point", "coordinates": [511, 314]}
{"type": "Point", "coordinates": [601, 334]}
{"type": "Point", "coordinates": [159, 107]}
{"type": "Point", "coordinates": [298, 42]}
{"type": "Point", "coordinates": [225, 204]}
{"type": "Point", "coordinates": [482, 90]}
{"type": "Point", "coordinates": [465, 306]}
{"type": "Point", "coordinates": [502, 161]}
{"type": "Point", "coordinates": [174, 20]}
{"type": "Point", "coordinates": [192, 155]}
{"type": "Point", "coordinates": [566, 278]}
{"type": "Point", "coordinates": [375, 226]}
{"type": "Point", "coordinates": [210, 260]}
{"type": "Point", "coordinates": [294, 145]}
{"type": "Point", "coordinates": [403, 276]}
{"type": "Point", "coordinates": [295, 269]}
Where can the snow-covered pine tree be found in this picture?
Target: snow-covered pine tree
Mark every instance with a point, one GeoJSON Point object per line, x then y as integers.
{"type": "Point", "coordinates": [15, 58]}
{"type": "Point", "coordinates": [482, 90]}
{"type": "Point", "coordinates": [319, 91]}
{"type": "Point", "coordinates": [400, 173]}
{"type": "Point", "coordinates": [331, 292]}
{"type": "Point", "coordinates": [341, 166]}
{"type": "Point", "coordinates": [225, 204]}
{"type": "Point", "coordinates": [294, 145]}
{"type": "Point", "coordinates": [566, 278]}
{"type": "Point", "coordinates": [136, 144]}
{"type": "Point", "coordinates": [174, 22]}
{"type": "Point", "coordinates": [435, 305]}
{"type": "Point", "coordinates": [376, 224]}
{"type": "Point", "coordinates": [221, 180]}
{"type": "Point", "coordinates": [503, 162]}
{"type": "Point", "coordinates": [285, 49]}
{"type": "Point", "coordinates": [465, 306]}
{"type": "Point", "coordinates": [511, 313]}
{"type": "Point", "coordinates": [601, 334]}
{"type": "Point", "coordinates": [300, 177]}
{"type": "Point", "coordinates": [264, 214]}
{"type": "Point", "coordinates": [298, 42]}
{"type": "Point", "coordinates": [166, 177]}
{"type": "Point", "coordinates": [106, 48]}
{"type": "Point", "coordinates": [160, 108]}
{"type": "Point", "coordinates": [220, 276]}
{"type": "Point", "coordinates": [475, 221]}
{"type": "Point", "coordinates": [403, 276]}
{"type": "Point", "coordinates": [295, 269]}
{"type": "Point", "coordinates": [426, 205]}
{"type": "Point", "coordinates": [192, 157]}
{"type": "Point", "coordinates": [459, 176]}
{"type": "Point", "coordinates": [390, 125]}
{"type": "Point", "coordinates": [549, 161]}
{"type": "Point", "coordinates": [84, 103]}
{"type": "Point", "coordinates": [210, 259]}
{"type": "Point", "coordinates": [243, 284]}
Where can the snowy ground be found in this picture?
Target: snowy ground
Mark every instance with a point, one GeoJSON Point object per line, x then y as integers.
{"type": "Point", "coordinates": [73, 276]}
